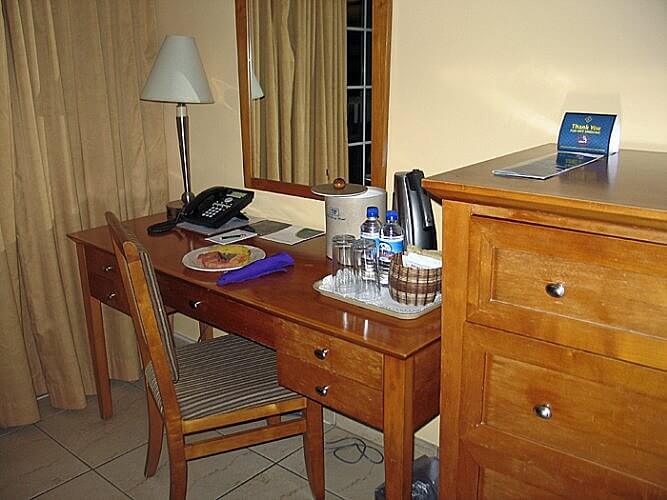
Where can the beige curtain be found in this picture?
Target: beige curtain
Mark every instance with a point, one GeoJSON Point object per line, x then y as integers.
{"type": "Point", "coordinates": [299, 55]}
{"type": "Point", "coordinates": [76, 141]}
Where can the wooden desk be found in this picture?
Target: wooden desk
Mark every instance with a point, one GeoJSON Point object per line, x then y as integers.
{"type": "Point", "coordinates": [379, 370]}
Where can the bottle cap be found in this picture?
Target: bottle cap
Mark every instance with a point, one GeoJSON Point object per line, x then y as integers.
{"type": "Point", "coordinates": [392, 215]}
{"type": "Point", "coordinates": [372, 212]}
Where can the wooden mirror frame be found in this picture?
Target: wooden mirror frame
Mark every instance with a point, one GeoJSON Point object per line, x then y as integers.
{"type": "Point", "coordinates": [381, 53]}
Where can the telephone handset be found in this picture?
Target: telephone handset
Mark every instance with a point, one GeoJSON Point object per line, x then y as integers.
{"type": "Point", "coordinates": [211, 208]}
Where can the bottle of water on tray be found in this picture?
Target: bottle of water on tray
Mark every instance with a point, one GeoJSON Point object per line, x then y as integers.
{"type": "Point", "coordinates": [391, 242]}
{"type": "Point", "coordinates": [370, 231]}
{"type": "Point", "coordinates": [371, 227]}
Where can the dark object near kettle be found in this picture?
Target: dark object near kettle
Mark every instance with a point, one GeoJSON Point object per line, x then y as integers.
{"type": "Point", "coordinates": [414, 210]}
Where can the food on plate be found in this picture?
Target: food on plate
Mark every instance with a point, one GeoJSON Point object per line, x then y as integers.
{"type": "Point", "coordinates": [225, 257]}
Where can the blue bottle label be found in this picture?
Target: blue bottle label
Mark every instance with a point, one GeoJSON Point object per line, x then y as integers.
{"type": "Point", "coordinates": [389, 246]}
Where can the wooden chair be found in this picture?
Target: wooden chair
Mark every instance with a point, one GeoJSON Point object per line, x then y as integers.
{"type": "Point", "coordinates": [202, 386]}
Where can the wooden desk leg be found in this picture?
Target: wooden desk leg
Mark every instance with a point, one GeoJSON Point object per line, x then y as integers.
{"type": "Point", "coordinates": [98, 349]}
{"type": "Point", "coordinates": [205, 332]}
{"type": "Point", "coordinates": [398, 427]}
{"type": "Point", "coordinates": [313, 442]}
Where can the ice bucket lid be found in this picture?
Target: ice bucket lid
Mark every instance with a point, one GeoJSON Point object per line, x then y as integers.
{"type": "Point", "coordinates": [338, 188]}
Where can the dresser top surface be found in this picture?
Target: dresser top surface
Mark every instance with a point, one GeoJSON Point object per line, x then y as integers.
{"type": "Point", "coordinates": [630, 183]}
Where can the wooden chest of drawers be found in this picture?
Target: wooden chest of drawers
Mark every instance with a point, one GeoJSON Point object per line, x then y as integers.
{"type": "Point", "coordinates": [554, 364]}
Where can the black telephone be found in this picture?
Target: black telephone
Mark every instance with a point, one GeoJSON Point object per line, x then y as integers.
{"type": "Point", "coordinates": [211, 208]}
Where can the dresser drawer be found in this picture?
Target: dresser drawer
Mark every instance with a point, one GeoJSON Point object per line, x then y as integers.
{"type": "Point", "coordinates": [332, 355]}
{"type": "Point", "coordinates": [570, 287]}
{"type": "Point", "coordinates": [603, 417]}
{"type": "Point", "coordinates": [332, 390]}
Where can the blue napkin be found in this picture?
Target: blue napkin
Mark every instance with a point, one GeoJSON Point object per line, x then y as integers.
{"type": "Point", "coordinates": [278, 262]}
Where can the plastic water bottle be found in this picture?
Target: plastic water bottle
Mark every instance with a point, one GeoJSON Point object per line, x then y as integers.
{"type": "Point", "coordinates": [371, 227]}
{"type": "Point", "coordinates": [391, 242]}
{"type": "Point", "coordinates": [370, 232]}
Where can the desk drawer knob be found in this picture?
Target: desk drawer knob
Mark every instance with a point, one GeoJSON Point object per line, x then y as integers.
{"type": "Point", "coordinates": [111, 295]}
{"type": "Point", "coordinates": [108, 268]}
{"type": "Point", "coordinates": [555, 290]}
{"type": "Point", "coordinates": [195, 304]}
{"type": "Point", "coordinates": [321, 353]}
{"type": "Point", "coordinates": [543, 411]}
{"type": "Point", "coordinates": [322, 390]}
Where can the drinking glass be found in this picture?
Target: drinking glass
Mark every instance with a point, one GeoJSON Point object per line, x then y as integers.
{"type": "Point", "coordinates": [365, 262]}
{"type": "Point", "coordinates": [342, 268]}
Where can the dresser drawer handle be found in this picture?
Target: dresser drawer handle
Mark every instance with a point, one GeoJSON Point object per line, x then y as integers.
{"type": "Point", "coordinates": [194, 304]}
{"type": "Point", "coordinates": [111, 295]}
{"type": "Point", "coordinates": [108, 268]}
{"type": "Point", "coordinates": [321, 353]}
{"type": "Point", "coordinates": [543, 411]}
{"type": "Point", "coordinates": [555, 290]}
{"type": "Point", "coordinates": [322, 390]}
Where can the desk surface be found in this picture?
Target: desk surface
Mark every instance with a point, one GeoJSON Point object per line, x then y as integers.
{"type": "Point", "coordinates": [288, 295]}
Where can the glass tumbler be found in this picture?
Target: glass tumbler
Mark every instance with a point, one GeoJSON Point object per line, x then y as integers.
{"type": "Point", "coordinates": [342, 268]}
{"type": "Point", "coordinates": [365, 261]}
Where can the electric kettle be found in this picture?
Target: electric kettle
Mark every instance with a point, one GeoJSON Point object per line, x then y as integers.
{"type": "Point", "coordinates": [414, 210]}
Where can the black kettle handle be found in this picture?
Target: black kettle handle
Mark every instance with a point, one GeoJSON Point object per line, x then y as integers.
{"type": "Point", "coordinates": [415, 184]}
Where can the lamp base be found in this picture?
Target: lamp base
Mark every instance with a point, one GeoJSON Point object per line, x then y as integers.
{"type": "Point", "coordinates": [174, 208]}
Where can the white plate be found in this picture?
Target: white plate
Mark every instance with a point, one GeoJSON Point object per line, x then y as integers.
{"type": "Point", "coordinates": [190, 258]}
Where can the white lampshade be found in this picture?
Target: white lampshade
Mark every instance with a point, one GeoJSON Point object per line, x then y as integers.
{"type": "Point", "coordinates": [178, 74]}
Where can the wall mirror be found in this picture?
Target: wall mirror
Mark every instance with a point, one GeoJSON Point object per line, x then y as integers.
{"type": "Point", "coordinates": [314, 89]}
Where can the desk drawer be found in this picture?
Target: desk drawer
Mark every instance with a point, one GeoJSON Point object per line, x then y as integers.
{"type": "Point", "coordinates": [100, 263]}
{"type": "Point", "coordinates": [216, 310]}
{"type": "Point", "coordinates": [599, 410]}
{"type": "Point", "coordinates": [332, 390]}
{"type": "Point", "coordinates": [109, 292]}
{"type": "Point", "coordinates": [106, 284]}
{"type": "Point", "coordinates": [605, 283]}
{"type": "Point", "coordinates": [333, 355]}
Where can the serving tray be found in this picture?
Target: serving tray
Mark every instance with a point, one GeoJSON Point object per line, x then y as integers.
{"type": "Point", "coordinates": [384, 305]}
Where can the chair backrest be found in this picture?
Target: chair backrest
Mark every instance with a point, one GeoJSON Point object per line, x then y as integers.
{"type": "Point", "coordinates": [151, 325]}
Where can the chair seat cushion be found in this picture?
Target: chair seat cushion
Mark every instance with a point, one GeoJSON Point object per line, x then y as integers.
{"type": "Point", "coordinates": [224, 374]}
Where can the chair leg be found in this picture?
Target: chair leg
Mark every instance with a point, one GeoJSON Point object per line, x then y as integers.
{"type": "Point", "coordinates": [178, 475]}
{"type": "Point", "coordinates": [155, 428]}
{"type": "Point", "coordinates": [313, 449]}
{"type": "Point", "coordinates": [178, 468]}
{"type": "Point", "coordinates": [273, 420]}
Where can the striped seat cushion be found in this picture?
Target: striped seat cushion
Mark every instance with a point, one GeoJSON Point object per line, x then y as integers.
{"type": "Point", "coordinates": [225, 374]}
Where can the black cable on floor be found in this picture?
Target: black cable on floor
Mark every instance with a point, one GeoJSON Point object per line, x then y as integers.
{"type": "Point", "coordinates": [370, 453]}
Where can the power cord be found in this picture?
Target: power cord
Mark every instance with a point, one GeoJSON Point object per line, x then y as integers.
{"type": "Point", "coordinates": [165, 226]}
{"type": "Point", "coordinates": [370, 453]}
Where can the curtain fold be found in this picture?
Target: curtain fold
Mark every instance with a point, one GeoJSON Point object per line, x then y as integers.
{"type": "Point", "coordinates": [78, 142]}
{"type": "Point", "coordinates": [299, 55]}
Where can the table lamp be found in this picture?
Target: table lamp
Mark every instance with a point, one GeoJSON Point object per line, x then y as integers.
{"type": "Point", "coordinates": [178, 76]}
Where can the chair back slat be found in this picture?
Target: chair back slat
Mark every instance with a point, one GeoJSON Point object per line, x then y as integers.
{"type": "Point", "coordinates": [148, 313]}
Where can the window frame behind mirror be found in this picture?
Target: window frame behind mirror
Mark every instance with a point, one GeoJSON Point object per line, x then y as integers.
{"type": "Point", "coordinates": [381, 52]}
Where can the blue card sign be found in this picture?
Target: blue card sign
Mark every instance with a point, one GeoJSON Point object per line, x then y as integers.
{"type": "Point", "coordinates": [589, 133]}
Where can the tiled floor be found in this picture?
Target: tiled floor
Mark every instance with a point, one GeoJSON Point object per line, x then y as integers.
{"type": "Point", "coordinates": [76, 455]}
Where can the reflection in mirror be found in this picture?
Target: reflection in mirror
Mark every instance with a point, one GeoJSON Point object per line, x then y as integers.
{"type": "Point", "coordinates": [316, 64]}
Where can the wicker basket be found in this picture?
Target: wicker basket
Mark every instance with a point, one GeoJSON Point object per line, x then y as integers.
{"type": "Point", "coordinates": [416, 287]}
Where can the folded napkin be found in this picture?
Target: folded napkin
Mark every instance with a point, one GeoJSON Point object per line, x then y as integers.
{"type": "Point", "coordinates": [278, 262]}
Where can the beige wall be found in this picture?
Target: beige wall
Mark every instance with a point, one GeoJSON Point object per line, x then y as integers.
{"type": "Point", "coordinates": [470, 80]}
